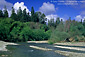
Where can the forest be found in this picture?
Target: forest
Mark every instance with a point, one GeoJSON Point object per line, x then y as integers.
{"type": "Point", "coordinates": [23, 26]}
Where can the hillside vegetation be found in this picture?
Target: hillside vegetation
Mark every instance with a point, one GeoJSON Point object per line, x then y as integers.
{"type": "Point", "coordinates": [24, 26]}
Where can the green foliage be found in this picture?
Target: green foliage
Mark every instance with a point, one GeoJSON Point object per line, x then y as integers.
{"type": "Point", "coordinates": [1, 13]}
{"type": "Point", "coordinates": [15, 31]}
{"type": "Point", "coordinates": [26, 34]}
{"type": "Point", "coordinates": [41, 17]}
{"type": "Point", "coordinates": [19, 14]}
{"type": "Point", "coordinates": [58, 36]}
{"type": "Point", "coordinates": [84, 23]}
{"type": "Point", "coordinates": [13, 15]}
{"type": "Point", "coordinates": [5, 12]}
{"type": "Point", "coordinates": [37, 34]}
{"type": "Point", "coordinates": [5, 25]}
{"type": "Point", "coordinates": [32, 14]}
{"type": "Point", "coordinates": [57, 21]}
{"type": "Point", "coordinates": [32, 11]}
{"type": "Point", "coordinates": [45, 28]}
{"type": "Point", "coordinates": [24, 16]}
{"type": "Point", "coordinates": [24, 26]}
{"type": "Point", "coordinates": [69, 29]}
{"type": "Point", "coordinates": [60, 27]}
{"type": "Point", "coordinates": [76, 29]}
{"type": "Point", "coordinates": [51, 22]}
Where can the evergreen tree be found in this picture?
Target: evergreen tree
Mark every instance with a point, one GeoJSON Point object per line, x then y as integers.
{"type": "Point", "coordinates": [5, 12]}
{"type": "Point", "coordinates": [13, 15]}
{"type": "Point", "coordinates": [43, 19]}
{"type": "Point", "coordinates": [28, 17]}
{"type": "Point", "coordinates": [1, 13]}
{"type": "Point", "coordinates": [51, 22]}
{"type": "Point", "coordinates": [36, 17]}
{"type": "Point", "coordinates": [32, 14]}
{"type": "Point", "coordinates": [24, 16]}
{"type": "Point", "coordinates": [57, 22]}
{"type": "Point", "coordinates": [32, 11]}
{"type": "Point", "coordinates": [81, 21]}
{"type": "Point", "coordinates": [84, 23]}
{"type": "Point", "coordinates": [19, 14]}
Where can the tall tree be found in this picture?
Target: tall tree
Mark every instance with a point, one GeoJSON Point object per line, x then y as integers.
{"type": "Point", "coordinates": [67, 25]}
{"type": "Point", "coordinates": [19, 14]}
{"type": "Point", "coordinates": [5, 12]}
{"type": "Point", "coordinates": [32, 14]}
{"type": "Point", "coordinates": [36, 17]}
{"type": "Point", "coordinates": [1, 13]}
{"type": "Point", "coordinates": [13, 15]}
{"type": "Point", "coordinates": [24, 16]}
{"type": "Point", "coordinates": [57, 20]}
{"type": "Point", "coordinates": [32, 11]}
{"type": "Point", "coordinates": [43, 19]}
{"type": "Point", "coordinates": [28, 17]}
{"type": "Point", "coordinates": [51, 22]}
{"type": "Point", "coordinates": [84, 23]}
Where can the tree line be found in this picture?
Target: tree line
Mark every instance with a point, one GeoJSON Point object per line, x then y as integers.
{"type": "Point", "coordinates": [23, 26]}
{"type": "Point", "coordinates": [24, 16]}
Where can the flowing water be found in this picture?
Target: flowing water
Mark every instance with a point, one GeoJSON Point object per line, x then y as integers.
{"type": "Point", "coordinates": [23, 50]}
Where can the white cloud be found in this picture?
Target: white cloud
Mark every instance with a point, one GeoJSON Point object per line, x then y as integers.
{"type": "Point", "coordinates": [82, 13]}
{"type": "Point", "coordinates": [52, 16]}
{"type": "Point", "coordinates": [47, 8]}
{"type": "Point", "coordinates": [17, 5]}
{"type": "Point", "coordinates": [79, 17]}
{"type": "Point", "coordinates": [3, 3]}
{"type": "Point", "coordinates": [7, 4]}
{"type": "Point", "coordinates": [49, 17]}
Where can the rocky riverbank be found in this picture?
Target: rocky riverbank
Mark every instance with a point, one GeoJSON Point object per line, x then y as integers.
{"type": "Point", "coordinates": [3, 45]}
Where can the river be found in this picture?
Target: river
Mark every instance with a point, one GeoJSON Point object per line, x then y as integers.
{"type": "Point", "coordinates": [23, 50]}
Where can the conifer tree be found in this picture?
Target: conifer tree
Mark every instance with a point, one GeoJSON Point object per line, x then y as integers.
{"type": "Point", "coordinates": [13, 15]}
{"type": "Point", "coordinates": [5, 12]}
{"type": "Point", "coordinates": [1, 13]}
{"type": "Point", "coordinates": [24, 16]}
{"type": "Point", "coordinates": [19, 14]}
{"type": "Point", "coordinates": [32, 14]}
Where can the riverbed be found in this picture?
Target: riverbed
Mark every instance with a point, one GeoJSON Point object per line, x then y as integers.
{"type": "Point", "coordinates": [42, 49]}
{"type": "Point", "coordinates": [24, 50]}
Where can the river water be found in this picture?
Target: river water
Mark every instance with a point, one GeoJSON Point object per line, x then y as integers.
{"type": "Point", "coordinates": [23, 50]}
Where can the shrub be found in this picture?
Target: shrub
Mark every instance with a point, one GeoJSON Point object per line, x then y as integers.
{"type": "Point", "coordinates": [5, 25]}
{"type": "Point", "coordinates": [15, 30]}
{"type": "Point", "coordinates": [58, 36]}
{"type": "Point", "coordinates": [39, 34]}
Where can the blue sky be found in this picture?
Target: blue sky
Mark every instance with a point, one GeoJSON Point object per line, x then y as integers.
{"type": "Point", "coordinates": [52, 8]}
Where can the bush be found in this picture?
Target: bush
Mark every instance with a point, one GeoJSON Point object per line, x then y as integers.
{"type": "Point", "coordinates": [80, 38]}
{"type": "Point", "coordinates": [5, 25]}
{"type": "Point", "coordinates": [39, 34]}
{"type": "Point", "coordinates": [30, 34]}
{"type": "Point", "coordinates": [26, 34]}
{"type": "Point", "coordinates": [58, 36]}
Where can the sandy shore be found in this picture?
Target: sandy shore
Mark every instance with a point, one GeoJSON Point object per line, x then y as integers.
{"type": "Point", "coordinates": [37, 41]}
{"type": "Point", "coordinates": [72, 43]}
{"type": "Point", "coordinates": [71, 54]}
{"type": "Point", "coordinates": [3, 45]}
{"type": "Point", "coordinates": [40, 48]}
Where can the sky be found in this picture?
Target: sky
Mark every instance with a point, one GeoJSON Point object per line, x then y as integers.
{"type": "Point", "coordinates": [51, 8]}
